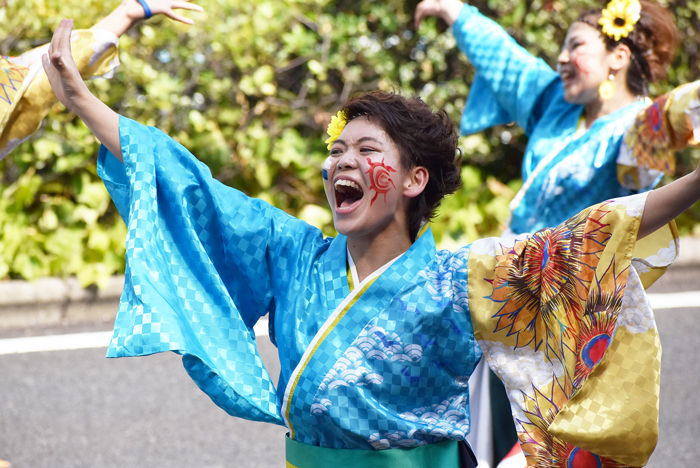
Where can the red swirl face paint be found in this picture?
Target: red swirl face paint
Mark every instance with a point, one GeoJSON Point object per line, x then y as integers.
{"type": "Point", "coordinates": [380, 178]}
{"type": "Point", "coordinates": [584, 62]}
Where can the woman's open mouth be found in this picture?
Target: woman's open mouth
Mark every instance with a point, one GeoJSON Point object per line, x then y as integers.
{"type": "Point", "coordinates": [567, 76]}
{"type": "Point", "coordinates": [347, 195]}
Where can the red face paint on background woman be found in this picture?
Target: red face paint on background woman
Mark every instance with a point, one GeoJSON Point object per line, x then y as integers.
{"type": "Point", "coordinates": [583, 62]}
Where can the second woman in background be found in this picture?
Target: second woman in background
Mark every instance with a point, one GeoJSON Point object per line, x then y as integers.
{"type": "Point", "coordinates": [593, 133]}
{"type": "Point", "coordinates": [584, 142]}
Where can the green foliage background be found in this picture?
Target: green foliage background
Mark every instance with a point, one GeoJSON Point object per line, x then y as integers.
{"type": "Point", "coordinates": [249, 90]}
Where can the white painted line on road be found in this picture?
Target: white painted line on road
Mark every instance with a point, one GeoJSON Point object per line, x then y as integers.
{"type": "Point", "coordinates": [674, 300]}
{"type": "Point", "coordinates": [35, 344]}
{"type": "Point", "coordinates": [55, 342]}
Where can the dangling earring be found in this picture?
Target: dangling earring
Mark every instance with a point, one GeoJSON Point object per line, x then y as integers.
{"type": "Point", "coordinates": [607, 88]}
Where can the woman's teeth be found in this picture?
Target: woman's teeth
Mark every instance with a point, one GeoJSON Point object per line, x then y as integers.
{"type": "Point", "coordinates": [347, 192]}
{"type": "Point", "coordinates": [342, 183]}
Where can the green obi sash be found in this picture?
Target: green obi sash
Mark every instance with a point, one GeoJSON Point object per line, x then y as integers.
{"type": "Point", "coordinates": [441, 455]}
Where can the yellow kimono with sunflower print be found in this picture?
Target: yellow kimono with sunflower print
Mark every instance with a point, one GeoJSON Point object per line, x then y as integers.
{"type": "Point", "coordinates": [25, 93]}
{"type": "Point", "coordinates": [563, 320]}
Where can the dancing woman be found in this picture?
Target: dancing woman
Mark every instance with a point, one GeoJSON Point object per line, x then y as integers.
{"type": "Point", "coordinates": [376, 330]}
{"type": "Point", "coordinates": [27, 96]}
{"type": "Point", "coordinates": [592, 134]}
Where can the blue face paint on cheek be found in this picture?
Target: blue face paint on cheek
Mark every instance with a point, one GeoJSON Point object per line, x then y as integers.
{"type": "Point", "coordinates": [327, 167]}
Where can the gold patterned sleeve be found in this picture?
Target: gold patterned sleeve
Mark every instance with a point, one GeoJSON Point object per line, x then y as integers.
{"type": "Point", "coordinates": [30, 96]}
{"type": "Point", "coordinates": [670, 123]}
{"type": "Point", "coordinates": [563, 319]}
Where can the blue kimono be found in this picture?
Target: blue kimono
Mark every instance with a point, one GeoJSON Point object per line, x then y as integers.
{"type": "Point", "coordinates": [219, 260]}
{"type": "Point", "coordinates": [372, 365]}
{"type": "Point", "coordinates": [563, 171]}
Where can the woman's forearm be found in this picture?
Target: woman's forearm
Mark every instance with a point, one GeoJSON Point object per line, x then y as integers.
{"type": "Point", "coordinates": [102, 121]}
{"type": "Point", "coordinates": [118, 21]}
{"type": "Point", "coordinates": [666, 203]}
{"type": "Point", "coordinates": [70, 89]}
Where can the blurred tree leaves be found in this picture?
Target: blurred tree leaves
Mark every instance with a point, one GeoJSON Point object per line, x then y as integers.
{"type": "Point", "coordinates": [249, 89]}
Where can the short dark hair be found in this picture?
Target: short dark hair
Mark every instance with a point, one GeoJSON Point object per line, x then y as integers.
{"type": "Point", "coordinates": [424, 138]}
{"type": "Point", "coordinates": [653, 43]}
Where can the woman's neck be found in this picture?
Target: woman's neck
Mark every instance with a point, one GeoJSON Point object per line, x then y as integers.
{"type": "Point", "coordinates": [371, 254]}
{"type": "Point", "coordinates": [599, 107]}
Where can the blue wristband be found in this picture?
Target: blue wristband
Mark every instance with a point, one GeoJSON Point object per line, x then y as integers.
{"type": "Point", "coordinates": [146, 8]}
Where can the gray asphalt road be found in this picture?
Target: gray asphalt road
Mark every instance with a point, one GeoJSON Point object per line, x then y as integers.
{"type": "Point", "coordinates": [78, 409]}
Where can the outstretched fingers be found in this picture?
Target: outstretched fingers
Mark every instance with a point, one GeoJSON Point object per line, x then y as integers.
{"type": "Point", "coordinates": [62, 73]}
{"type": "Point", "coordinates": [60, 49]}
{"type": "Point", "coordinates": [183, 19]}
{"type": "Point", "coordinates": [185, 5]}
{"type": "Point", "coordinates": [53, 56]}
{"type": "Point", "coordinates": [166, 7]}
{"type": "Point", "coordinates": [60, 43]}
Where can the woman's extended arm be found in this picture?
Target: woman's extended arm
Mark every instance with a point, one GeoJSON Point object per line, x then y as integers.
{"type": "Point", "coordinates": [510, 83]}
{"type": "Point", "coordinates": [130, 11]}
{"type": "Point", "coordinates": [71, 90]}
{"type": "Point", "coordinates": [665, 203]}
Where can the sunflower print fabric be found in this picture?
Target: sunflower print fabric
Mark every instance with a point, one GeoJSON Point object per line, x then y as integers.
{"type": "Point", "coordinates": [669, 124]}
{"type": "Point", "coordinates": [26, 96]}
{"type": "Point", "coordinates": [563, 320]}
{"type": "Point", "coordinates": [11, 78]}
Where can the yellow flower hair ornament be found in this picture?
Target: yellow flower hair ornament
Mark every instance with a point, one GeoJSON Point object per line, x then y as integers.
{"type": "Point", "coordinates": [335, 128]}
{"type": "Point", "coordinates": [619, 18]}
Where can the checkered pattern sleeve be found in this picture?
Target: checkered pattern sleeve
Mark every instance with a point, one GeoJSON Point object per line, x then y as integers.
{"type": "Point", "coordinates": [510, 84]}
{"type": "Point", "coordinates": [252, 247]}
{"type": "Point", "coordinates": [203, 263]}
{"type": "Point", "coordinates": [95, 55]}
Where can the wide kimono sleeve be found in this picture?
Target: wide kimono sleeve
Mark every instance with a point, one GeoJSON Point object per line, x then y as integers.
{"type": "Point", "coordinates": [203, 263]}
{"type": "Point", "coordinates": [26, 95]}
{"type": "Point", "coordinates": [510, 83]}
{"type": "Point", "coordinates": [669, 124]}
{"type": "Point", "coordinates": [562, 318]}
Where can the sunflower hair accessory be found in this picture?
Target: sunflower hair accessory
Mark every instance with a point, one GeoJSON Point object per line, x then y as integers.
{"type": "Point", "coordinates": [335, 128]}
{"type": "Point", "coordinates": [619, 18]}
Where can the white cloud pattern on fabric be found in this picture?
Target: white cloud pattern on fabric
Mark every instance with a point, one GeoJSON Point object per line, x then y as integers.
{"type": "Point", "coordinates": [445, 420]}
{"type": "Point", "coordinates": [373, 343]}
{"type": "Point", "coordinates": [636, 314]}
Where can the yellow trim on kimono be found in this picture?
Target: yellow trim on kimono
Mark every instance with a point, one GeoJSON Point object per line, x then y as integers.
{"type": "Point", "coordinates": [325, 330]}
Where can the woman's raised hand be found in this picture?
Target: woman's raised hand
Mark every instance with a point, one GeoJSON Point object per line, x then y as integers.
{"type": "Point", "coordinates": [71, 90]}
{"type": "Point", "coordinates": [448, 10]}
{"type": "Point", "coordinates": [129, 12]}
{"type": "Point", "coordinates": [61, 70]}
{"type": "Point", "coordinates": [136, 11]}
